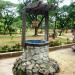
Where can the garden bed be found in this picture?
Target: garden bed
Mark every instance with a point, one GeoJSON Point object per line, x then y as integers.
{"type": "Point", "coordinates": [18, 53]}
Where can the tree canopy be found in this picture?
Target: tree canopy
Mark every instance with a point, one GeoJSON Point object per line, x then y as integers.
{"type": "Point", "coordinates": [61, 18]}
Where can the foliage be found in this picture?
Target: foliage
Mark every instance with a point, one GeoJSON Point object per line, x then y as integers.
{"type": "Point", "coordinates": [8, 20]}
{"type": "Point", "coordinates": [6, 17]}
{"type": "Point", "coordinates": [59, 42]}
{"type": "Point", "coordinates": [54, 43]}
{"type": "Point", "coordinates": [1, 28]}
{"type": "Point", "coordinates": [69, 41]}
{"type": "Point", "coordinates": [62, 18]}
{"type": "Point", "coordinates": [17, 24]}
{"type": "Point", "coordinates": [3, 5]}
{"type": "Point", "coordinates": [71, 11]}
{"type": "Point", "coordinates": [7, 48]}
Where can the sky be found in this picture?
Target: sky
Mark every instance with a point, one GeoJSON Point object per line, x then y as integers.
{"type": "Point", "coordinates": [13, 1]}
{"type": "Point", "coordinates": [65, 2]}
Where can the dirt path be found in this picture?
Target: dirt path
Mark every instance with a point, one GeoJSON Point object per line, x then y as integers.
{"type": "Point", "coordinates": [65, 58]}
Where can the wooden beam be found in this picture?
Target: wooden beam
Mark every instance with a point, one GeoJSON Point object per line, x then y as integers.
{"type": "Point", "coordinates": [23, 28]}
{"type": "Point", "coordinates": [46, 26]}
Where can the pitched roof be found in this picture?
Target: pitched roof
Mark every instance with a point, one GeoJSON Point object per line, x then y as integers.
{"type": "Point", "coordinates": [39, 8]}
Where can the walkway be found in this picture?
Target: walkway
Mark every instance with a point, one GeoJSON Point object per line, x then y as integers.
{"type": "Point", "coordinates": [65, 58]}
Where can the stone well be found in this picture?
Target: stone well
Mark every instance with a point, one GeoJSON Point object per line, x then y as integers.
{"type": "Point", "coordinates": [35, 60]}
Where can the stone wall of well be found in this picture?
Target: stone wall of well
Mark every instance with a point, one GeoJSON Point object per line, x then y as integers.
{"type": "Point", "coordinates": [36, 53]}
{"type": "Point", "coordinates": [35, 61]}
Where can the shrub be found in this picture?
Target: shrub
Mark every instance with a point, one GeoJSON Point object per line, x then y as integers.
{"type": "Point", "coordinates": [7, 48]}
{"type": "Point", "coordinates": [60, 41]}
{"type": "Point", "coordinates": [68, 41]}
{"type": "Point", "coordinates": [17, 47]}
{"type": "Point", "coordinates": [54, 43]}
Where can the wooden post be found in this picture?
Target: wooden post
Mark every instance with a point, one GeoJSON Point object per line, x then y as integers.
{"type": "Point", "coordinates": [23, 27]}
{"type": "Point", "coordinates": [46, 26]}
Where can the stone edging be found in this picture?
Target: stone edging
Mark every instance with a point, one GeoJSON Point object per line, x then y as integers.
{"type": "Point", "coordinates": [60, 47]}
{"type": "Point", "coordinates": [10, 54]}
{"type": "Point", "coordinates": [18, 53]}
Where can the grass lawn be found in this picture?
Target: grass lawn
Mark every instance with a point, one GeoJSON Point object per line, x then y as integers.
{"type": "Point", "coordinates": [16, 38]}
{"type": "Point", "coordinates": [9, 40]}
{"type": "Point", "coordinates": [12, 40]}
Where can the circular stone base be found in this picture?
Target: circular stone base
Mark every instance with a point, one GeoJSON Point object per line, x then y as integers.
{"type": "Point", "coordinates": [23, 67]}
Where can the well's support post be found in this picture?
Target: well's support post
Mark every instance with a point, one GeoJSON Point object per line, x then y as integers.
{"type": "Point", "coordinates": [46, 26]}
{"type": "Point", "coordinates": [23, 27]}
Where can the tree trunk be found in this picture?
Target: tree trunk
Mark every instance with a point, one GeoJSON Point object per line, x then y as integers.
{"type": "Point", "coordinates": [66, 30]}
{"type": "Point", "coordinates": [36, 31]}
{"type": "Point", "coordinates": [60, 32]}
{"type": "Point", "coordinates": [54, 32]}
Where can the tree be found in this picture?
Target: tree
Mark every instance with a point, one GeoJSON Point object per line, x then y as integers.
{"type": "Point", "coordinates": [54, 14]}
{"type": "Point", "coordinates": [17, 24]}
{"type": "Point", "coordinates": [8, 20]}
{"type": "Point", "coordinates": [4, 8]}
{"type": "Point", "coordinates": [3, 5]}
{"type": "Point", "coordinates": [30, 18]}
{"type": "Point", "coordinates": [71, 11]}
